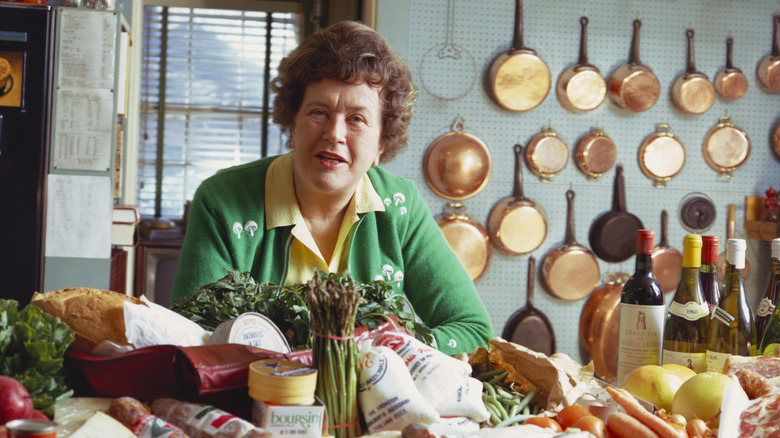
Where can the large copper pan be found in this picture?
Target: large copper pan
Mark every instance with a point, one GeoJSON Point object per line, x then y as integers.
{"type": "Point", "coordinates": [599, 326]}
{"type": "Point", "coordinates": [519, 79]}
{"type": "Point", "coordinates": [768, 69]}
{"type": "Point", "coordinates": [467, 238]}
{"type": "Point", "coordinates": [581, 86]}
{"type": "Point", "coordinates": [634, 86]}
{"type": "Point", "coordinates": [692, 91]}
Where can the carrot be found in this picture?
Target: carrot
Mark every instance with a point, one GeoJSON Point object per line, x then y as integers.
{"type": "Point", "coordinates": [626, 426]}
{"type": "Point", "coordinates": [636, 410]}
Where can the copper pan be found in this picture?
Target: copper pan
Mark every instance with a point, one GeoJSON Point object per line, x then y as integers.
{"type": "Point", "coordinates": [692, 91]}
{"type": "Point", "coordinates": [731, 228]}
{"type": "Point", "coordinates": [667, 260]}
{"type": "Point", "coordinates": [726, 147]}
{"type": "Point", "coordinates": [546, 154]}
{"type": "Point", "coordinates": [599, 326]}
{"type": "Point", "coordinates": [776, 140]}
{"type": "Point", "coordinates": [457, 165]}
{"type": "Point", "coordinates": [730, 82]}
{"type": "Point", "coordinates": [595, 153]}
{"type": "Point", "coordinates": [634, 86]}
{"type": "Point", "coordinates": [467, 238]}
{"type": "Point", "coordinates": [570, 271]}
{"type": "Point", "coordinates": [661, 156]}
{"type": "Point", "coordinates": [517, 225]}
{"type": "Point", "coordinates": [768, 69]}
{"type": "Point", "coordinates": [581, 87]}
{"type": "Point", "coordinates": [519, 79]}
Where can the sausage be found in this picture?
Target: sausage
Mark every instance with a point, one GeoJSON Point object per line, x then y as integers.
{"type": "Point", "coordinates": [134, 415]}
{"type": "Point", "coordinates": [203, 421]}
{"type": "Point", "coordinates": [754, 384]}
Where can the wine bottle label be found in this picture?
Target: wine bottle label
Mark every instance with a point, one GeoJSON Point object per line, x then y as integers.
{"type": "Point", "coordinates": [639, 339]}
{"type": "Point", "coordinates": [691, 310]}
{"type": "Point", "coordinates": [716, 361]}
{"type": "Point", "coordinates": [722, 316]}
{"type": "Point", "coordinates": [695, 361]}
{"type": "Point", "coordinates": [765, 308]}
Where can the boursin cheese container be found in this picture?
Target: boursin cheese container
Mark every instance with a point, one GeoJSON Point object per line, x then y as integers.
{"type": "Point", "coordinates": [251, 328]}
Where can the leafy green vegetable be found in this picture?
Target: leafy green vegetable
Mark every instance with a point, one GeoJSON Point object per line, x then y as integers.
{"type": "Point", "coordinates": [237, 293]}
{"type": "Point", "coordinates": [32, 349]}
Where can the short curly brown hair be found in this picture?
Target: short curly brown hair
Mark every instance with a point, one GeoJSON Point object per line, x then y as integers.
{"type": "Point", "coordinates": [352, 52]}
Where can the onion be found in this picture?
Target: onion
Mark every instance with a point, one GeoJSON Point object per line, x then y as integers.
{"type": "Point", "coordinates": [697, 428]}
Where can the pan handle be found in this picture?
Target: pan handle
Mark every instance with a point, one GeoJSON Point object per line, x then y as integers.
{"type": "Point", "coordinates": [633, 55]}
{"type": "Point", "coordinates": [776, 36]}
{"type": "Point", "coordinates": [729, 60]}
{"type": "Point", "coordinates": [690, 62]}
{"type": "Point", "coordinates": [570, 238]}
{"type": "Point", "coordinates": [584, 42]}
{"type": "Point", "coordinates": [531, 281]}
{"type": "Point", "coordinates": [517, 191]}
{"type": "Point", "coordinates": [664, 225]}
{"type": "Point", "coordinates": [619, 193]}
{"type": "Point", "coordinates": [518, 26]}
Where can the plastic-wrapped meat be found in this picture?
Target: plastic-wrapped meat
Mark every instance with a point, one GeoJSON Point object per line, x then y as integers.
{"type": "Point", "coordinates": [134, 415]}
{"type": "Point", "coordinates": [762, 418]}
{"type": "Point", "coordinates": [203, 421]}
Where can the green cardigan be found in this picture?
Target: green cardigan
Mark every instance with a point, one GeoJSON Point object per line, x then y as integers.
{"type": "Point", "coordinates": [402, 243]}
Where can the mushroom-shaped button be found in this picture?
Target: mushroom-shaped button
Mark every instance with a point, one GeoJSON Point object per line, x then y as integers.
{"type": "Point", "coordinates": [237, 228]}
{"type": "Point", "coordinates": [250, 227]}
{"type": "Point", "coordinates": [399, 198]}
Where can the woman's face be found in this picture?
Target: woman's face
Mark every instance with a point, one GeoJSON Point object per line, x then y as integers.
{"type": "Point", "coordinates": [336, 136]}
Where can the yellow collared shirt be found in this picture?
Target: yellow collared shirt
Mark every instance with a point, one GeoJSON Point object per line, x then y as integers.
{"type": "Point", "coordinates": [282, 210]}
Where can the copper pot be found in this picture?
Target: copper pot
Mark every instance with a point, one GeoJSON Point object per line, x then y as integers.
{"type": "Point", "coordinates": [581, 87]}
{"type": "Point", "coordinates": [768, 69]}
{"type": "Point", "coordinates": [634, 86]}
{"type": "Point", "coordinates": [467, 238]}
{"type": "Point", "coordinates": [546, 154]}
{"type": "Point", "coordinates": [661, 156]}
{"type": "Point", "coordinates": [599, 326]}
{"type": "Point", "coordinates": [726, 147]}
{"type": "Point", "coordinates": [595, 153]}
{"type": "Point", "coordinates": [457, 165]}
{"type": "Point", "coordinates": [692, 91]}
{"type": "Point", "coordinates": [730, 82]}
{"type": "Point", "coordinates": [519, 79]}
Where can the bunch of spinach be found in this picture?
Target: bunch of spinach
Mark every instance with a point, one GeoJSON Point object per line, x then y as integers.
{"type": "Point", "coordinates": [237, 293]}
{"type": "Point", "coordinates": [32, 349]}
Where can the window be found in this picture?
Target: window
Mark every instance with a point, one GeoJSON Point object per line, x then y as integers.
{"type": "Point", "coordinates": [205, 104]}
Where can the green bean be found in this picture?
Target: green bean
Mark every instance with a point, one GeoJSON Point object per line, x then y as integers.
{"type": "Point", "coordinates": [501, 392]}
{"type": "Point", "coordinates": [494, 415]}
{"type": "Point", "coordinates": [512, 420]}
{"type": "Point", "coordinates": [498, 379]}
{"type": "Point", "coordinates": [491, 390]}
{"type": "Point", "coordinates": [485, 376]}
{"type": "Point", "coordinates": [513, 410]}
{"type": "Point", "coordinates": [501, 410]}
{"type": "Point", "coordinates": [527, 399]}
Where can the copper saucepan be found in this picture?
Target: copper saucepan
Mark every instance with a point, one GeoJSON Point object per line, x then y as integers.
{"type": "Point", "coordinates": [528, 326]}
{"type": "Point", "coordinates": [570, 271]}
{"type": "Point", "coordinates": [519, 79]}
{"type": "Point", "coordinates": [730, 82]}
{"type": "Point", "coordinates": [667, 260]}
{"type": "Point", "coordinates": [768, 69]}
{"type": "Point", "coordinates": [595, 153]}
{"type": "Point", "coordinates": [517, 225]}
{"type": "Point", "coordinates": [661, 156]}
{"type": "Point", "coordinates": [581, 87]}
{"type": "Point", "coordinates": [692, 91]}
{"type": "Point", "coordinates": [457, 165]}
{"type": "Point", "coordinates": [634, 86]}
{"type": "Point", "coordinates": [599, 326]}
{"type": "Point", "coordinates": [467, 238]}
{"type": "Point", "coordinates": [725, 147]}
{"type": "Point", "coordinates": [546, 154]}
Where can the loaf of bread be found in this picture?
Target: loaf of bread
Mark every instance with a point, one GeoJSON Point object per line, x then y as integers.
{"type": "Point", "coordinates": [94, 315]}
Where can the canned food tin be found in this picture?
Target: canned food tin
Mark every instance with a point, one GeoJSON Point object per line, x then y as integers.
{"type": "Point", "coordinates": [251, 328]}
{"type": "Point", "coordinates": [31, 429]}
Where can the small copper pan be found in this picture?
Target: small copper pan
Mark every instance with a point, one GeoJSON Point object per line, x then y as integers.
{"type": "Point", "coordinates": [667, 260]}
{"type": "Point", "coordinates": [692, 91]}
{"type": "Point", "coordinates": [731, 229]}
{"type": "Point", "coordinates": [730, 82]}
{"type": "Point", "coordinates": [599, 326]}
{"type": "Point", "coordinates": [661, 156]}
{"type": "Point", "coordinates": [519, 79]}
{"type": "Point", "coordinates": [546, 154]}
{"type": "Point", "coordinates": [768, 69]}
{"type": "Point", "coordinates": [581, 87]}
{"type": "Point", "coordinates": [634, 86]}
{"type": "Point", "coordinates": [467, 238]}
{"type": "Point", "coordinates": [726, 147]}
{"type": "Point", "coordinates": [570, 271]}
{"type": "Point", "coordinates": [457, 165]}
{"type": "Point", "coordinates": [517, 225]}
{"type": "Point", "coordinates": [595, 153]}
{"type": "Point", "coordinates": [528, 326]}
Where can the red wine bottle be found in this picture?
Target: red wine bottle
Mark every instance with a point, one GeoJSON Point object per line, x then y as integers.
{"type": "Point", "coordinates": [708, 272]}
{"type": "Point", "coordinates": [642, 312]}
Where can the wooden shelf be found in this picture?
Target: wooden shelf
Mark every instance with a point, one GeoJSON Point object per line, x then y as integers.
{"type": "Point", "coordinates": [755, 225]}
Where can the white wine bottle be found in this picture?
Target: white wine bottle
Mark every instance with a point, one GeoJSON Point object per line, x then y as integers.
{"type": "Point", "coordinates": [732, 326]}
{"type": "Point", "coordinates": [770, 341]}
{"type": "Point", "coordinates": [766, 306]}
{"type": "Point", "coordinates": [687, 320]}
{"type": "Point", "coordinates": [642, 312]}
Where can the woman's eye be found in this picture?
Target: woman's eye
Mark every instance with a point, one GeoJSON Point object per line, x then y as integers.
{"type": "Point", "coordinates": [357, 119]}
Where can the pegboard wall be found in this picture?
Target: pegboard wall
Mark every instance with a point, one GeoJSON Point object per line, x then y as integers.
{"type": "Point", "coordinates": [484, 30]}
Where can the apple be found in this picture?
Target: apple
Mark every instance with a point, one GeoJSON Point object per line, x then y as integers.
{"type": "Point", "coordinates": [701, 397]}
{"type": "Point", "coordinates": [653, 383]}
{"type": "Point", "coordinates": [15, 401]}
{"type": "Point", "coordinates": [38, 415]}
{"type": "Point", "coordinates": [680, 371]}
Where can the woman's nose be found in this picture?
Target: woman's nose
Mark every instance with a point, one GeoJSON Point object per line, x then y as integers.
{"type": "Point", "coordinates": [336, 130]}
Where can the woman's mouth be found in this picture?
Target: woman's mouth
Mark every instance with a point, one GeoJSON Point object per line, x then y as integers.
{"type": "Point", "coordinates": [330, 158]}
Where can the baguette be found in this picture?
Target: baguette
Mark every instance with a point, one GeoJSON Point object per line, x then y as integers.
{"type": "Point", "coordinates": [94, 315]}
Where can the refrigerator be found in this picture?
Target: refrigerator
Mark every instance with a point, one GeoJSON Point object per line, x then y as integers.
{"type": "Point", "coordinates": [26, 48]}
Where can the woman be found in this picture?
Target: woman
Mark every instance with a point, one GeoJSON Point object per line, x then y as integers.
{"type": "Point", "coordinates": [346, 100]}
